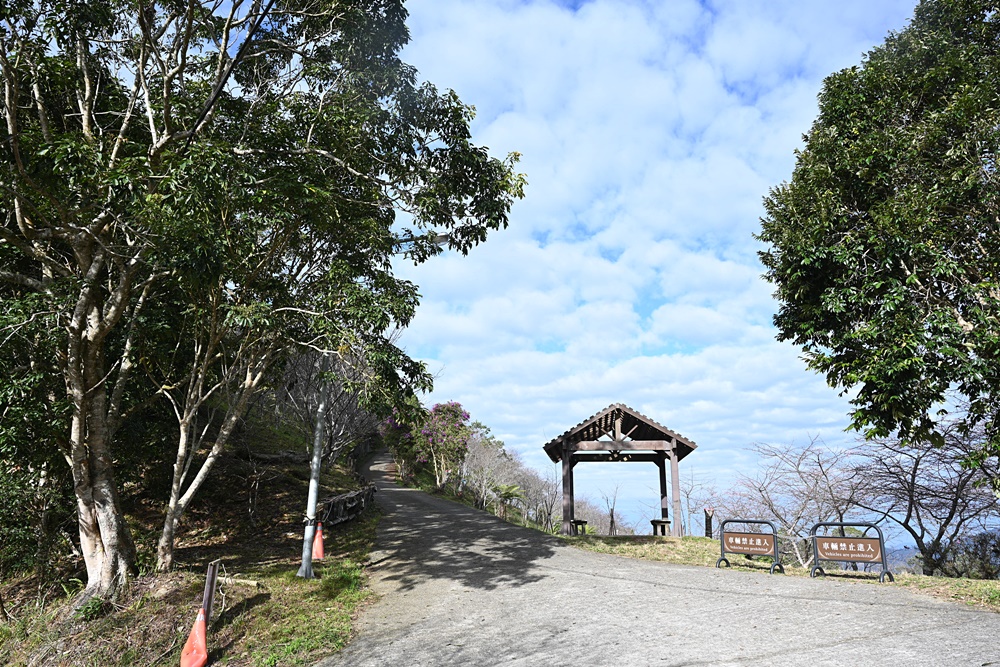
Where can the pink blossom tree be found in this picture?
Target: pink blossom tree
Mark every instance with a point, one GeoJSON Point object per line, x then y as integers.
{"type": "Point", "coordinates": [443, 440]}
{"type": "Point", "coordinates": [439, 438]}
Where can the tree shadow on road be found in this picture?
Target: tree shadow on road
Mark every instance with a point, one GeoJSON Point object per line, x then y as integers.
{"type": "Point", "coordinates": [424, 537]}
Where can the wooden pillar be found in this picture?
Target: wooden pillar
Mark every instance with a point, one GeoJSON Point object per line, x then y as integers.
{"type": "Point", "coordinates": [567, 489]}
{"type": "Point", "coordinates": [664, 503]}
{"type": "Point", "coordinates": [676, 529]}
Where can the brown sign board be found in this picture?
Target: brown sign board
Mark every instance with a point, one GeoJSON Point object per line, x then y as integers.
{"type": "Point", "coordinates": [852, 549]}
{"type": "Point", "coordinates": [754, 544]}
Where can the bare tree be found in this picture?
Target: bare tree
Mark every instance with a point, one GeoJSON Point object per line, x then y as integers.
{"type": "Point", "coordinates": [929, 491]}
{"type": "Point", "coordinates": [797, 487]}
{"type": "Point", "coordinates": [610, 500]}
{"type": "Point", "coordinates": [597, 519]}
{"type": "Point", "coordinates": [339, 420]}
{"type": "Point", "coordinates": [303, 385]}
{"type": "Point", "coordinates": [315, 469]}
{"type": "Point", "coordinates": [541, 493]}
{"type": "Point", "coordinates": [695, 495]}
{"type": "Point", "coordinates": [486, 465]}
{"type": "Point", "coordinates": [491, 473]}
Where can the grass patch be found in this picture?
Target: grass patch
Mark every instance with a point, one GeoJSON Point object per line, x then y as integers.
{"type": "Point", "coordinates": [973, 592]}
{"type": "Point", "coordinates": [678, 550]}
{"type": "Point", "coordinates": [704, 552]}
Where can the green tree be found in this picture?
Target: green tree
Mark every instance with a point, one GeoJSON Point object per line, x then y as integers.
{"type": "Point", "coordinates": [884, 246]}
{"type": "Point", "coordinates": [33, 480]}
{"type": "Point", "coordinates": [975, 557]}
{"type": "Point", "coordinates": [506, 495]}
{"type": "Point", "coordinates": [148, 146]}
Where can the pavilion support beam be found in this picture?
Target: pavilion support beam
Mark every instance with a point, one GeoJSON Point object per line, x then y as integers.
{"type": "Point", "coordinates": [620, 445]}
{"type": "Point", "coordinates": [676, 529]}
{"type": "Point", "coordinates": [662, 467]}
{"type": "Point", "coordinates": [618, 457]}
{"type": "Point", "coordinates": [568, 513]}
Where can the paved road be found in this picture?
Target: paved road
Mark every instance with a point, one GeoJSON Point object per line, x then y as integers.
{"type": "Point", "coordinates": [459, 586]}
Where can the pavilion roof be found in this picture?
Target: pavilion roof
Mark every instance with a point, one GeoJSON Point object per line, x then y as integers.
{"type": "Point", "coordinates": [635, 428]}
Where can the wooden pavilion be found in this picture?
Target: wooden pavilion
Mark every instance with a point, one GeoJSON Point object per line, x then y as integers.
{"type": "Point", "coordinates": [619, 433]}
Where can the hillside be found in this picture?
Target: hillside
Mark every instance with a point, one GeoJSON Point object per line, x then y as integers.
{"type": "Point", "coordinates": [250, 517]}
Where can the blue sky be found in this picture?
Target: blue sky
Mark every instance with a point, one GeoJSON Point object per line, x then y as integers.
{"type": "Point", "coordinates": [650, 132]}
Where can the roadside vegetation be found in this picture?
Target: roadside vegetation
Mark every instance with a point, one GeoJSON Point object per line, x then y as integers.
{"type": "Point", "coordinates": [197, 204]}
{"type": "Point", "coordinates": [704, 552]}
{"type": "Point", "coordinates": [198, 311]}
{"type": "Point", "coordinates": [251, 519]}
{"type": "Point", "coordinates": [446, 452]}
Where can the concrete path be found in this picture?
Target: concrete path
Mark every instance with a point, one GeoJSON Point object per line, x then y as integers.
{"type": "Point", "coordinates": [460, 587]}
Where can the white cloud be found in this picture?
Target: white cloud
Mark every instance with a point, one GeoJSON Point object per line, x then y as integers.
{"type": "Point", "coordinates": [650, 131]}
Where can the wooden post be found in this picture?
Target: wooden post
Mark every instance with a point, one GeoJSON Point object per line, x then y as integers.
{"type": "Point", "coordinates": [567, 500]}
{"type": "Point", "coordinates": [676, 529]}
{"type": "Point", "coordinates": [709, 513]}
{"type": "Point", "coordinates": [208, 597]}
{"type": "Point", "coordinates": [664, 503]}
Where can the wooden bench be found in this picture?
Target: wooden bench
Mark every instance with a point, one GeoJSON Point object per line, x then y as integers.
{"type": "Point", "coordinates": [579, 526]}
{"type": "Point", "coordinates": [660, 526]}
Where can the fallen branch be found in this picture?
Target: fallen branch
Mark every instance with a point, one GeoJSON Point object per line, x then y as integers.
{"type": "Point", "coordinates": [233, 581]}
{"type": "Point", "coordinates": [279, 457]}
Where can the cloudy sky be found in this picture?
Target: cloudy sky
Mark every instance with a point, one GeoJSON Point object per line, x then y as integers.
{"type": "Point", "coordinates": [650, 132]}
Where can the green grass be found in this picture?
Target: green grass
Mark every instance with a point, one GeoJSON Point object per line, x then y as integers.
{"type": "Point", "coordinates": [679, 550]}
{"type": "Point", "coordinates": [704, 552]}
{"type": "Point", "coordinates": [972, 592]}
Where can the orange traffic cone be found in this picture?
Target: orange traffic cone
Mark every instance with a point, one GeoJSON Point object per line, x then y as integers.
{"type": "Point", "coordinates": [318, 542]}
{"type": "Point", "coordinates": [195, 653]}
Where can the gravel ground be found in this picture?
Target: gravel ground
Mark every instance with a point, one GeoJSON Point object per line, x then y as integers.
{"type": "Point", "coordinates": [459, 586]}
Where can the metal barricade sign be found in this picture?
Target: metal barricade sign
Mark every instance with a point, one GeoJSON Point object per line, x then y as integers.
{"type": "Point", "coordinates": [845, 549]}
{"type": "Point", "coordinates": [849, 549]}
{"type": "Point", "coordinates": [752, 544]}
{"type": "Point", "coordinates": [749, 544]}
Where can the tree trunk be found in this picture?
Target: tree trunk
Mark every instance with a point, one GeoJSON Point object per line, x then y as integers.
{"type": "Point", "coordinates": [440, 470]}
{"type": "Point", "coordinates": [165, 546]}
{"type": "Point", "coordinates": [42, 527]}
{"type": "Point", "coordinates": [315, 467]}
{"type": "Point", "coordinates": [801, 555]}
{"type": "Point", "coordinates": [932, 558]}
{"type": "Point", "coordinates": [4, 617]}
{"type": "Point", "coordinates": [179, 501]}
{"type": "Point", "coordinates": [105, 539]}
